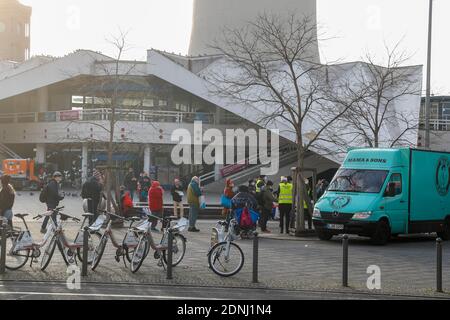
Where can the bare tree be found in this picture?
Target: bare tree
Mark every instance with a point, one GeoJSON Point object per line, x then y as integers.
{"type": "Point", "coordinates": [110, 88]}
{"type": "Point", "coordinates": [267, 66]}
{"type": "Point", "coordinates": [377, 119]}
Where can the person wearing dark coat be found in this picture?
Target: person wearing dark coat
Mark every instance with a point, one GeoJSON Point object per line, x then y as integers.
{"type": "Point", "coordinates": [54, 196]}
{"type": "Point", "coordinates": [92, 190]}
{"type": "Point", "coordinates": [131, 182]}
{"type": "Point", "coordinates": [7, 197]}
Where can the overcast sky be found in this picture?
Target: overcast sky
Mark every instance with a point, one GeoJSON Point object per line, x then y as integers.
{"type": "Point", "coordinates": [61, 26]}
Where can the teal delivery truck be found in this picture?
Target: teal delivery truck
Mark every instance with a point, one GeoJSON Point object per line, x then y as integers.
{"type": "Point", "coordinates": [378, 193]}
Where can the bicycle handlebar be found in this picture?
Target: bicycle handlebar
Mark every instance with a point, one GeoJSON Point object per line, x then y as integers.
{"type": "Point", "coordinates": [114, 215]}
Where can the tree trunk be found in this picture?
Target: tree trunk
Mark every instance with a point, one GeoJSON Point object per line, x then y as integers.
{"type": "Point", "coordinates": [300, 186]}
{"type": "Point", "coordinates": [110, 160]}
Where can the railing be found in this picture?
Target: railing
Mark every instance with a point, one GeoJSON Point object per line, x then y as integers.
{"type": "Point", "coordinates": [8, 153]}
{"type": "Point", "coordinates": [105, 114]}
{"type": "Point", "coordinates": [436, 124]}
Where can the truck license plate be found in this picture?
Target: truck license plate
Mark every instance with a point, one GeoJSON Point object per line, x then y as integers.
{"type": "Point", "coordinates": [335, 226]}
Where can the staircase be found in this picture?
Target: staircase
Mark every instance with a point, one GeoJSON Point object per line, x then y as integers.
{"type": "Point", "coordinates": [7, 153]}
{"type": "Point", "coordinates": [288, 158]}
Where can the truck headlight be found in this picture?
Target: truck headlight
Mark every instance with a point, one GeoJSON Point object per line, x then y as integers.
{"type": "Point", "coordinates": [362, 215]}
{"type": "Point", "coordinates": [316, 213]}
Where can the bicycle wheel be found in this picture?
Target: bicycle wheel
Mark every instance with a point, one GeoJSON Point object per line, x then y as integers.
{"type": "Point", "coordinates": [139, 254]}
{"type": "Point", "coordinates": [93, 242]}
{"type": "Point", "coordinates": [98, 252]}
{"type": "Point", "coordinates": [129, 251]}
{"type": "Point", "coordinates": [48, 253]}
{"type": "Point", "coordinates": [178, 251]}
{"type": "Point", "coordinates": [15, 260]}
{"type": "Point", "coordinates": [223, 266]}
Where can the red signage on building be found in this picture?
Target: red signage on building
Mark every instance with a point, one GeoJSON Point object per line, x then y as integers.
{"type": "Point", "coordinates": [231, 169]}
{"type": "Point", "coordinates": [69, 115]}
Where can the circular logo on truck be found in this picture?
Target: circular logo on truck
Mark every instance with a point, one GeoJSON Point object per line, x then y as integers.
{"type": "Point", "coordinates": [443, 176]}
{"type": "Point", "coordinates": [340, 202]}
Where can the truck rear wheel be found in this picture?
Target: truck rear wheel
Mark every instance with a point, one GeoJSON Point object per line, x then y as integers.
{"type": "Point", "coordinates": [382, 233]}
{"type": "Point", "coordinates": [324, 235]}
{"type": "Point", "coordinates": [445, 235]}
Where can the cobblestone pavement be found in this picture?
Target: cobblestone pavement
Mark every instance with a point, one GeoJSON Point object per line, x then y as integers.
{"type": "Point", "coordinates": [407, 264]}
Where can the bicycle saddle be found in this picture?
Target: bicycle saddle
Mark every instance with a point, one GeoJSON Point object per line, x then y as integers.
{"type": "Point", "coordinates": [87, 214]}
{"type": "Point", "coordinates": [21, 216]}
{"type": "Point", "coordinates": [134, 219]}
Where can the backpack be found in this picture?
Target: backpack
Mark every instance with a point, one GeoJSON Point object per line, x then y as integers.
{"type": "Point", "coordinates": [43, 194]}
{"type": "Point", "coordinates": [246, 219]}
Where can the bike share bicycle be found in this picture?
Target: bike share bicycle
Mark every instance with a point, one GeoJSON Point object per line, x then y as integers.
{"type": "Point", "coordinates": [138, 240]}
{"type": "Point", "coordinates": [160, 250]}
{"type": "Point", "coordinates": [21, 246]}
{"type": "Point", "coordinates": [225, 257]}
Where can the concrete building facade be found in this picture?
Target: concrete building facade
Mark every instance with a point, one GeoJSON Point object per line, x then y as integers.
{"type": "Point", "coordinates": [14, 31]}
{"type": "Point", "coordinates": [211, 17]}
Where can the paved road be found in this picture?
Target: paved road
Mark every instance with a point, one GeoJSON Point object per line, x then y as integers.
{"type": "Point", "coordinates": [54, 290]}
{"type": "Point", "coordinates": [407, 264]}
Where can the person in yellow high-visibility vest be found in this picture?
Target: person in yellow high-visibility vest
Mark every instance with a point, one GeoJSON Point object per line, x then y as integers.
{"type": "Point", "coordinates": [285, 201]}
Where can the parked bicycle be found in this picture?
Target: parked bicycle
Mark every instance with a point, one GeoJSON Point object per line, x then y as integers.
{"type": "Point", "coordinates": [160, 250]}
{"type": "Point", "coordinates": [20, 245]}
{"type": "Point", "coordinates": [225, 257]}
{"type": "Point", "coordinates": [125, 249]}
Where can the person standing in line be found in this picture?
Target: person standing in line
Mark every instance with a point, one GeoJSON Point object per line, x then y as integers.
{"type": "Point", "coordinates": [252, 187]}
{"type": "Point", "coordinates": [193, 197]}
{"type": "Point", "coordinates": [131, 182]}
{"type": "Point", "coordinates": [53, 197]}
{"type": "Point", "coordinates": [285, 203]}
{"type": "Point", "coordinates": [229, 193]}
{"type": "Point", "coordinates": [156, 203]}
{"type": "Point", "coordinates": [92, 190]}
{"type": "Point", "coordinates": [177, 197]}
{"type": "Point", "coordinates": [267, 200]}
{"type": "Point", "coordinates": [7, 197]}
{"type": "Point", "coordinates": [144, 185]}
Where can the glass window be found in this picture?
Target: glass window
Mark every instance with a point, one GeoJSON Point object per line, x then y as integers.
{"type": "Point", "coordinates": [27, 30]}
{"type": "Point", "coordinates": [131, 102]}
{"type": "Point", "coordinates": [102, 101]}
{"type": "Point", "coordinates": [397, 179]}
{"type": "Point", "coordinates": [148, 103]}
{"type": "Point", "coordinates": [77, 100]}
{"type": "Point", "coordinates": [358, 180]}
{"type": "Point", "coordinates": [162, 103]}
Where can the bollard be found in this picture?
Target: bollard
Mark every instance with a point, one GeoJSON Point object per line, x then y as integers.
{"type": "Point", "coordinates": [255, 257]}
{"type": "Point", "coordinates": [84, 265]}
{"type": "Point", "coordinates": [345, 261]}
{"type": "Point", "coordinates": [438, 265]}
{"type": "Point", "coordinates": [169, 256]}
{"type": "Point", "coordinates": [3, 248]}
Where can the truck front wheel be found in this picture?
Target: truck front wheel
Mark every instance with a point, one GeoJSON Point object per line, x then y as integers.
{"type": "Point", "coordinates": [445, 235]}
{"type": "Point", "coordinates": [382, 233]}
{"type": "Point", "coordinates": [324, 235]}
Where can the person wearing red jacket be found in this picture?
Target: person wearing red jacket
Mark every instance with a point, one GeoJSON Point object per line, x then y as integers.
{"type": "Point", "coordinates": [155, 202]}
{"type": "Point", "coordinates": [127, 204]}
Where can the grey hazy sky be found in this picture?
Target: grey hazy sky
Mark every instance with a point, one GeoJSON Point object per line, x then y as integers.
{"type": "Point", "coordinates": [61, 26]}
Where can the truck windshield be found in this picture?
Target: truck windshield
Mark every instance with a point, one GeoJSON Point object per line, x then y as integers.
{"type": "Point", "coordinates": [364, 181]}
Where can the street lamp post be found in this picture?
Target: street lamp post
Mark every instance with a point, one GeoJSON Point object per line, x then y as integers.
{"type": "Point", "coordinates": [428, 94]}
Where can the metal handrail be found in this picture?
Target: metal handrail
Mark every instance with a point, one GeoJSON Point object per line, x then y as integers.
{"type": "Point", "coordinates": [101, 114]}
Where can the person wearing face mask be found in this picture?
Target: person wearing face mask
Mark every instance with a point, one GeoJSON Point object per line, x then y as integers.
{"type": "Point", "coordinates": [53, 197]}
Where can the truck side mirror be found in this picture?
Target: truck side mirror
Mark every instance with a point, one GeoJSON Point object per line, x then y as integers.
{"type": "Point", "coordinates": [390, 190]}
